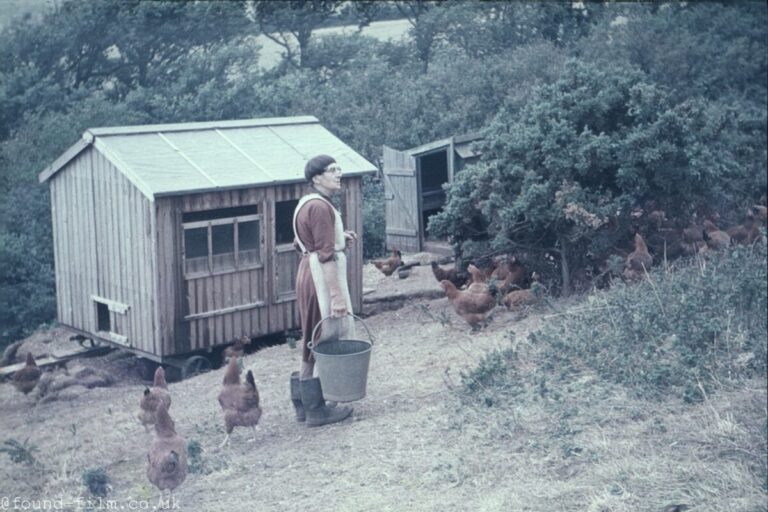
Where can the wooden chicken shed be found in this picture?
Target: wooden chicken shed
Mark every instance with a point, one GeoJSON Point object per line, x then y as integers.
{"type": "Point", "coordinates": [174, 239]}
{"type": "Point", "coordinates": [413, 189]}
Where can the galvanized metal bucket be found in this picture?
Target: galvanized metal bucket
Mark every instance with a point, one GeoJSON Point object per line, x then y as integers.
{"type": "Point", "coordinates": [342, 365]}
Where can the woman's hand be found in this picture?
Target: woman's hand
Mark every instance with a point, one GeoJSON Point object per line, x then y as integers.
{"type": "Point", "coordinates": [338, 307]}
{"type": "Point", "coordinates": [350, 237]}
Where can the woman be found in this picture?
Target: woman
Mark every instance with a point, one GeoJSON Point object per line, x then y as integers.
{"type": "Point", "coordinates": [321, 284]}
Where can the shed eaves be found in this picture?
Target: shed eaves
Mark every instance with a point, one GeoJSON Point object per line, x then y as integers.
{"type": "Point", "coordinates": [200, 157]}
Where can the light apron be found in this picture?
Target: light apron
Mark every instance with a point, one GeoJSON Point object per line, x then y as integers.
{"type": "Point", "coordinates": [333, 328]}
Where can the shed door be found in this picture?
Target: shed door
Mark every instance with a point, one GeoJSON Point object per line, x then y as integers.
{"type": "Point", "coordinates": [401, 200]}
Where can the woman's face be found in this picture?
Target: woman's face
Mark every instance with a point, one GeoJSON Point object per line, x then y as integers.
{"type": "Point", "coordinates": [330, 180]}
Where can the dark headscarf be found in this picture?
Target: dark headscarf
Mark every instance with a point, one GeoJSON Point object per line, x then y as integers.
{"type": "Point", "coordinates": [316, 166]}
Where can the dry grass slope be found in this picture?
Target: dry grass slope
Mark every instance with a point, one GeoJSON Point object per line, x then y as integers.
{"type": "Point", "coordinates": [521, 439]}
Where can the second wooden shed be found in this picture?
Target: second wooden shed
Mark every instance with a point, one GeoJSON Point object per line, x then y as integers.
{"type": "Point", "coordinates": [173, 239]}
{"type": "Point", "coordinates": [413, 189]}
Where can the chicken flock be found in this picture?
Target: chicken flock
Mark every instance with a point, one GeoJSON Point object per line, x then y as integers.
{"type": "Point", "coordinates": [506, 281]}
{"type": "Point", "coordinates": [167, 453]}
{"type": "Point", "coordinates": [700, 236]}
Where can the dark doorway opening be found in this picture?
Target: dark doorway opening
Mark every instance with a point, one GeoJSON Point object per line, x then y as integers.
{"type": "Point", "coordinates": [433, 174]}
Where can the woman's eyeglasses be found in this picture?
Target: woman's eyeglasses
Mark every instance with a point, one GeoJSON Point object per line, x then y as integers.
{"type": "Point", "coordinates": [333, 169]}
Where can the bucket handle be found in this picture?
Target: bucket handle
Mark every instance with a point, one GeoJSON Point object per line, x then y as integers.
{"type": "Point", "coordinates": [311, 342]}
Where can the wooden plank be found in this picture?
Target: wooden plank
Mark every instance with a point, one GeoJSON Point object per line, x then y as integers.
{"type": "Point", "coordinates": [55, 359]}
{"type": "Point", "coordinates": [75, 230]}
{"type": "Point", "coordinates": [227, 302]}
{"type": "Point", "coordinates": [92, 248]}
{"type": "Point", "coordinates": [63, 160]}
{"type": "Point", "coordinates": [404, 173]}
{"type": "Point", "coordinates": [207, 125]}
{"type": "Point", "coordinates": [117, 307]}
{"type": "Point", "coordinates": [165, 247]}
{"type": "Point", "coordinates": [401, 232]}
{"type": "Point", "coordinates": [130, 268]}
{"type": "Point", "coordinates": [141, 312]}
{"type": "Point", "coordinates": [237, 298]}
{"type": "Point", "coordinates": [224, 311]}
{"type": "Point", "coordinates": [57, 251]}
{"type": "Point", "coordinates": [192, 301]}
{"type": "Point", "coordinates": [77, 235]}
{"type": "Point", "coordinates": [64, 270]}
{"type": "Point", "coordinates": [156, 297]}
{"type": "Point", "coordinates": [153, 277]}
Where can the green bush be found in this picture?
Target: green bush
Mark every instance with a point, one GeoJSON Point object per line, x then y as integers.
{"type": "Point", "coordinates": [20, 452]}
{"type": "Point", "coordinates": [682, 331]}
{"type": "Point", "coordinates": [97, 481]}
{"type": "Point", "coordinates": [677, 332]}
{"type": "Point", "coordinates": [374, 236]}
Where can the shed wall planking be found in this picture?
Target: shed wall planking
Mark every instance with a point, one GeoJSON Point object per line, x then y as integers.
{"type": "Point", "coordinates": [99, 248]}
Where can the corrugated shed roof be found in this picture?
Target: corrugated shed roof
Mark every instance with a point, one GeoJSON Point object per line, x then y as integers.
{"type": "Point", "coordinates": [186, 158]}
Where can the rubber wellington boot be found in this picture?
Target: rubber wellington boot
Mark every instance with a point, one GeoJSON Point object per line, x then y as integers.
{"type": "Point", "coordinates": [314, 406]}
{"type": "Point", "coordinates": [296, 398]}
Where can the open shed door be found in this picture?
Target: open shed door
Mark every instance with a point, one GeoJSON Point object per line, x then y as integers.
{"type": "Point", "coordinates": [401, 200]}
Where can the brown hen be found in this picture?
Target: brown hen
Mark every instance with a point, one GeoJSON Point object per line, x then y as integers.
{"type": "Point", "coordinates": [458, 279]}
{"type": "Point", "coordinates": [518, 298]}
{"type": "Point", "coordinates": [746, 232]}
{"type": "Point", "coordinates": [153, 397]}
{"type": "Point", "coordinates": [167, 457]}
{"type": "Point", "coordinates": [714, 237]}
{"type": "Point", "coordinates": [509, 274]}
{"type": "Point", "coordinates": [638, 261]}
{"type": "Point", "coordinates": [472, 304]}
{"type": "Point", "coordinates": [240, 402]}
{"type": "Point", "coordinates": [389, 265]}
{"type": "Point", "coordinates": [27, 377]}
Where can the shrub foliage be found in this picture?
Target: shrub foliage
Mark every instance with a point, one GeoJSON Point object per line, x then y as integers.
{"type": "Point", "coordinates": [682, 331]}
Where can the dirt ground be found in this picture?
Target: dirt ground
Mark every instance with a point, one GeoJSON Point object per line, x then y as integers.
{"type": "Point", "coordinates": [409, 446]}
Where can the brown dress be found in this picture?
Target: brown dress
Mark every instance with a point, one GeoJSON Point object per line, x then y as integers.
{"type": "Point", "coordinates": [315, 226]}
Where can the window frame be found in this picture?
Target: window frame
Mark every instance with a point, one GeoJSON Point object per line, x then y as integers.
{"type": "Point", "coordinates": [208, 224]}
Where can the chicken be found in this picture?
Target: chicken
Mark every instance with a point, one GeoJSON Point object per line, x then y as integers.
{"type": "Point", "coordinates": [640, 258]}
{"type": "Point", "coordinates": [518, 298]}
{"type": "Point", "coordinates": [27, 377]}
{"type": "Point", "coordinates": [638, 261]}
{"type": "Point", "coordinates": [509, 273]}
{"type": "Point", "coordinates": [458, 279]}
{"type": "Point", "coordinates": [389, 265]}
{"type": "Point", "coordinates": [714, 238]}
{"type": "Point", "coordinates": [478, 277]}
{"type": "Point", "coordinates": [153, 397]}
{"type": "Point", "coordinates": [746, 232]}
{"type": "Point", "coordinates": [237, 349]}
{"type": "Point", "coordinates": [693, 239]}
{"type": "Point", "coordinates": [240, 402]}
{"type": "Point", "coordinates": [472, 304]}
{"type": "Point", "coordinates": [167, 457]}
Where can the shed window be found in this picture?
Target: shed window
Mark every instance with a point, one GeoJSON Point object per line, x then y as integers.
{"type": "Point", "coordinates": [286, 257]}
{"type": "Point", "coordinates": [284, 221]}
{"type": "Point", "coordinates": [215, 243]}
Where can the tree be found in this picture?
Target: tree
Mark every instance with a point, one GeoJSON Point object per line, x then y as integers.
{"type": "Point", "coordinates": [485, 28]}
{"type": "Point", "coordinates": [426, 18]}
{"type": "Point", "coordinates": [110, 45]}
{"type": "Point", "coordinates": [290, 23]}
